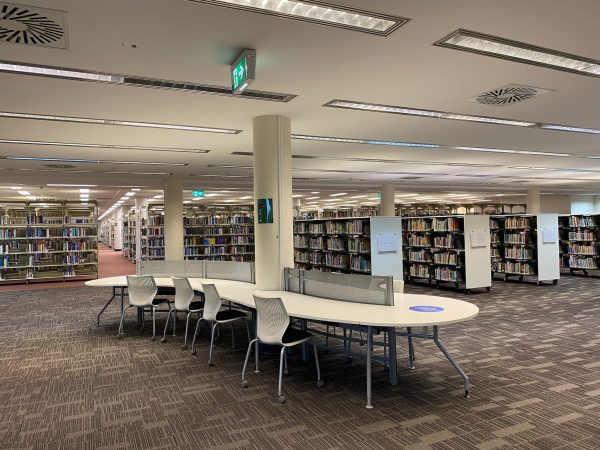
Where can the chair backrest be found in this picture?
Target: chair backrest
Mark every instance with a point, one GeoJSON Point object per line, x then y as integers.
{"type": "Point", "coordinates": [184, 294]}
{"type": "Point", "coordinates": [271, 320]}
{"type": "Point", "coordinates": [212, 302]}
{"type": "Point", "coordinates": [141, 290]}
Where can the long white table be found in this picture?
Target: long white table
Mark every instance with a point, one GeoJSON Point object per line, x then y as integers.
{"type": "Point", "coordinates": [409, 311]}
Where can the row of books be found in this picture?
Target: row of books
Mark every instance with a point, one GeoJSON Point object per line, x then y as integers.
{"type": "Point", "coordinates": [519, 252]}
{"type": "Point", "coordinates": [448, 242]}
{"type": "Point", "coordinates": [582, 262]}
{"type": "Point", "coordinates": [517, 222]}
{"type": "Point", "coordinates": [218, 250]}
{"type": "Point", "coordinates": [235, 229]}
{"type": "Point", "coordinates": [218, 220]}
{"type": "Point", "coordinates": [512, 267]}
{"type": "Point", "coordinates": [587, 249]}
{"type": "Point", "coordinates": [584, 235]}
{"type": "Point", "coordinates": [447, 224]}
{"type": "Point", "coordinates": [523, 238]}
{"type": "Point", "coordinates": [582, 221]}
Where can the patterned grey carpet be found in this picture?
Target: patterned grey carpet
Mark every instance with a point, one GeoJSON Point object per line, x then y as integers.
{"type": "Point", "coordinates": [533, 356]}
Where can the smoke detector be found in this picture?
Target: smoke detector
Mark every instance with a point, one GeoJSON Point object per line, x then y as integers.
{"type": "Point", "coordinates": [29, 25]}
{"type": "Point", "coordinates": [508, 95]}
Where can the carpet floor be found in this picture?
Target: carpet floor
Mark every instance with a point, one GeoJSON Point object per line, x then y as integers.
{"type": "Point", "coordinates": [533, 357]}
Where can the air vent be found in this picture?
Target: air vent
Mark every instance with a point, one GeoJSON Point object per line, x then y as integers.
{"type": "Point", "coordinates": [60, 166]}
{"type": "Point", "coordinates": [206, 89]}
{"type": "Point", "coordinates": [508, 95]}
{"type": "Point", "coordinates": [20, 24]}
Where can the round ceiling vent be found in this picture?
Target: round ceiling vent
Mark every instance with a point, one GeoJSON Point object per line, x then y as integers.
{"type": "Point", "coordinates": [28, 25]}
{"type": "Point", "coordinates": [60, 166]}
{"type": "Point", "coordinates": [504, 96]}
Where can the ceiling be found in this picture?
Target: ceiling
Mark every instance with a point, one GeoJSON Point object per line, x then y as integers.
{"type": "Point", "coordinates": [185, 41]}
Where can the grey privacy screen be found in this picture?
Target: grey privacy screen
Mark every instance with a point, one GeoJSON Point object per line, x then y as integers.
{"type": "Point", "coordinates": [376, 290]}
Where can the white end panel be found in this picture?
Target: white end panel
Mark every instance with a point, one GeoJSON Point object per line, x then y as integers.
{"type": "Point", "coordinates": [384, 230]}
{"type": "Point", "coordinates": [548, 247]}
{"type": "Point", "coordinates": [478, 270]}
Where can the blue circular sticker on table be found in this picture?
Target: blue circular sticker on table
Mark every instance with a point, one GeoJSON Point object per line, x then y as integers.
{"type": "Point", "coordinates": [423, 308]}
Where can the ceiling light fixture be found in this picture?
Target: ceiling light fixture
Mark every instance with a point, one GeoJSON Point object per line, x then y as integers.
{"type": "Point", "coordinates": [130, 194]}
{"type": "Point", "coordinates": [70, 185]}
{"type": "Point", "coordinates": [519, 152]}
{"type": "Point", "coordinates": [126, 123]}
{"type": "Point", "coordinates": [311, 198]}
{"type": "Point", "coordinates": [338, 194]}
{"type": "Point", "coordinates": [319, 12]}
{"type": "Point", "coordinates": [498, 47]}
{"type": "Point", "coordinates": [571, 129]}
{"type": "Point", "coordinates": [59, 73]}
{"type": "Point", "coordinates": [107, 146]}
{"type": "Point", "coordinates": [24, 193]}
{"type": "Point", "coordinates": [89, 161]}
{"type": "Point", "coordinates": [306, 137]}
{"type": "Point", "coordinates": [347, 104]}
{"type": "Point", "coordinates": [84, 190]}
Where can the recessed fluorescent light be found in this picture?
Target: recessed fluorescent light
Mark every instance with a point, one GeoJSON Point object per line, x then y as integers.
{"type": "Point", "coordinates": [24, 193]}
{"type": "Point", "coordinates": [311, 198]}
{"type": "Point", "coordinates": [338, 194]}
{"type": "Point", "coordinates": [127, 123]}
{"type": "Point", "coordinates": [520, 152]}
{"type": "Point", "coordinates": [306, 137]}
{"type": "Point", "coordinates": [89, 161]}
{"type": "Point", "coordinates": [187, 201]}
{"type": "Point", "coordinates": [130, 194]}
{"type": "Point", "coordinates": [319, 12]}
{"type": "Point", "coordinates": [297, 195]}
{"type": "Point", "coordinates": [84, 190]}
{"type": "Point", "coordinates": [107, 146]}
{"type": "Point", "coordinates": [30, 197]}
{"type": "Point", "coordinates": [346, 104]}
{"type": "Point", "coordinates": [136, 189]}
{"type": "Point", "coordinates": [572, 129]}
{"type": "Point", "coordinates": [359, 196]}
{"type": "Point", "coordinates": [534, 168]}
{"type": "Point", "coordinates": [15, 188]}
{"type": "Point", "coordinates": [375, 198]}
{"type": "Point", "coordinates": [123, 199]}
{"type": "Point", "coordinates": [406, 195]}
{"type": "Point", "coordinates": [315, 192]}
{"type": "Point", "coordinates": [498, 47]}
{"type": "Point", "coordinates": [59, 73]}
{"type": "Point", "coordinates": [71, 185]}
{"type": "Point", "coordinates": [158, 196]}
{"type": "Point", "coordinates": [246, 197]}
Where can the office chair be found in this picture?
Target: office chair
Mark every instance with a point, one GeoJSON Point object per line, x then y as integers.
{"type": "Point", "coordinates": [211, 314]}
{"type": "Point", "coordinates": [184, 296]}
{"type": "Point", "coordinates": [273, 328]}
{"type": "Point", "coordinates": [141, 292]}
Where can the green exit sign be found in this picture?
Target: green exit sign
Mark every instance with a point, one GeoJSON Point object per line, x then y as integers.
{"type": "Point", "coordinates": [243, 71]}
{"type": "Point", "coordinates": [197, 193]}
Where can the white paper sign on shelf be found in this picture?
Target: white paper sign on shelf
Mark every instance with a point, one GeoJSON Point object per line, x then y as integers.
{"type": "Point", "coordinates": [387, 242]}
{"type": "Point", "coordinates": [549, 235]}
{"type": "Point", "coordinates": [479, 238]}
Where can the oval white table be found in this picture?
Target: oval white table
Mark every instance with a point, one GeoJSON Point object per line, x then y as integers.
{"type": "Point", "coordinates": [409, 311]}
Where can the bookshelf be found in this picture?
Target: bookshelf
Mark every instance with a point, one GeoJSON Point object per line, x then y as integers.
{"type": "Point", "coordinates": [526, 247]}
{"type": "Point", "coordinates": [452, 250]}
{"type": "Point", "coordinates": [347, 245]}
{"type": "Point", "coordinates": [129, 245]}
{"type": "Point", "coordinates": [218, 235]}
{"type": "Point", "coordinates": [48, 241]}
{"type": "Point", "coordinates": [579, 243]}
{"type": "Point", "coordinates": [153, 236]}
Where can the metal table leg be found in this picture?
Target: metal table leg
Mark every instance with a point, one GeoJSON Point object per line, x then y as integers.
{"type": "Point", "coordinates": [411, 350]}
{"type": "Point", "coordinates": [369, 351]}
{"type": "Point", "coordinates": [304, 346]}
{"type": "Point", "coordinates": [392, 362]}
{"type": "Point", "coordinates": [449, 358]}
{"type": "Point", "coordinates": [114, 294]}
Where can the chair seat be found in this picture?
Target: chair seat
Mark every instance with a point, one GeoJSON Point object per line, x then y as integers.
{"type": "Point", "coordinates": [295, 336]}
{"type": "Point", "coordinates": [229, 315]}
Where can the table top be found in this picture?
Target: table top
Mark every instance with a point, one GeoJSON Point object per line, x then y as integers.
{"type": "Point", "coordinates": [402, 314]}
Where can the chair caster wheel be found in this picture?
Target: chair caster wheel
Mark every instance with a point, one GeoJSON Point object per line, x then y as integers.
{"type": "Point", "coordinates": [286, 372]}
{"type": "Point", "coordinates": [211, 364]}
{"type": "Point", "coordinates": [184, 347]}
{"type": "Point", "coordinates": [120, 336]}
{"type": "Point", "coordinates": [193, 352]}
{"type": "Point", "coordinates": [320, 383]}
{"type": "Point", "coordinates": [244, 384]}
{"type": "Point", "coordinates": [466, 394]}
{"type": "Point", "coordinates": [281, 399]}
{"type": "Point", "coordinates": [153, 339]}
{"type": "Point", "coordinates": [163, 340]}
{"type": "Point", "coordinates": [411, 367]}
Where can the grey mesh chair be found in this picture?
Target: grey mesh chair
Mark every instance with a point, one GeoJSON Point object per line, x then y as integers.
{"type": "Point", "coordinates": [211, 314]}
{"type": "Point", "coordinates": [184, 302]}
{"type": "Point", "coordinates": [273, 328]}
{"type": "Point", "coordinates": [141, 292]}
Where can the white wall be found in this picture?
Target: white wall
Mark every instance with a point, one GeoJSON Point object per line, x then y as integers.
{"type": "Point", "coordinates": [558, 203]}
{"type": "Point", "coordinates": [584, 204]}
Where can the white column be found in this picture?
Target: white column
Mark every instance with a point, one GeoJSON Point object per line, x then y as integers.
{"type": "Point", "coordinates": [273, 242]}
{"type": "Point", "coordinates": [173, 220]}
{"type": "Point", "coordinates": [388, 199]}
{"type": "Point", "coordinates": [533, 200]}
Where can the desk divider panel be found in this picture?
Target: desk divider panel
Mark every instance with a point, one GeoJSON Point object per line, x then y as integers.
{"type": "Point", "coordinates": [371, 289]}
{"type": "Point", "coordinates": [293, 279]}
{"type": "Point", "coordinates": [229, 270]}
{"type": "Point", "coordinates": [166, 269]}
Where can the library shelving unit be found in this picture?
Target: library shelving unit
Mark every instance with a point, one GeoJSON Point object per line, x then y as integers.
{"type": "Point", "coordinates": [451, 250]}
{"type": "Point", "coordinates": [153, 239]}
{"type": "Point", "coordinates": [349, 245]}
{"type": "Point", "coordinates": [48, 241]}
{"type": "Point", "coordinates": [129, 222]}
{"type": "Point", "coordinates": [526, 247]}
{"type": "Point", "coordinates": [218, 235]}
{"type": "Point", "coordinates": [579, 243]}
